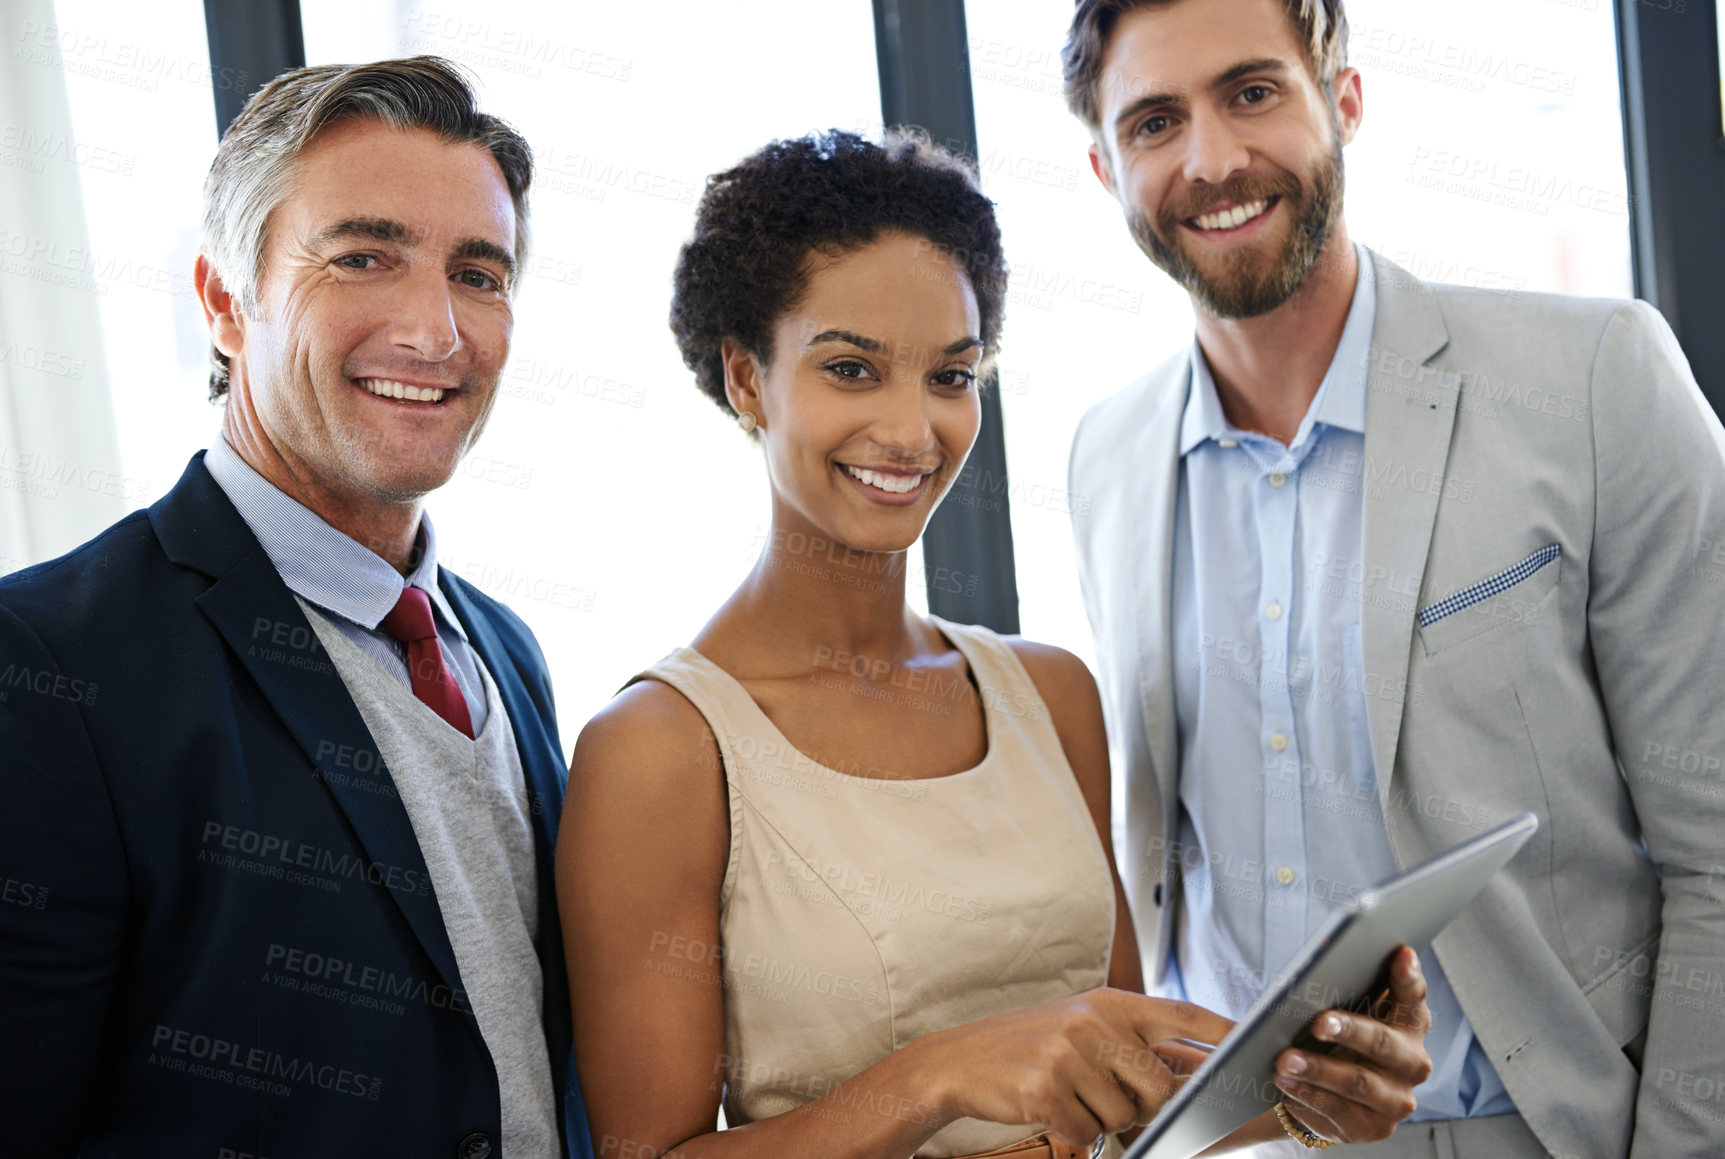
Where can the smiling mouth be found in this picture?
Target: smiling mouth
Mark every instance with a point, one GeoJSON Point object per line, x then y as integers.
{"type": "Point", "coordinates": [1223, 220]}
{"type": "Point", "coordinates": [402, 391]}
{"type": "Point", "coordinates": [891, 484]}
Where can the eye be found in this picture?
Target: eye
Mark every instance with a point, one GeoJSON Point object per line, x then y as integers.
{"type": "Point", "coordinates": [1255, 94]}
{"type": "Point", "coordinates": [848, 368]}
{"type": "Point", "coordinates": [478, 280]}
{"type": "Point", "coordinates": [355, 261]}
{"type": "Point", "coordinates": [960, 377]}
{"type": "Point", "coordinates": [1153, 126]}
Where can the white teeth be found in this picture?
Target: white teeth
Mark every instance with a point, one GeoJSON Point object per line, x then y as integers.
{"type": "Point", "coordinates": [1232, 218]}
{"type": "Point", "coordinates": [896, 484]}
{"type": "Point", "coordinates": [387, 388]}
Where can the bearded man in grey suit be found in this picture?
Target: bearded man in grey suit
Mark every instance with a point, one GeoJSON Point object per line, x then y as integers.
{"type": "Point", "coordinates": [1376, 564]}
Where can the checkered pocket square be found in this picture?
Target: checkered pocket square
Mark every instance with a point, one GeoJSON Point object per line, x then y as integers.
{"type": "Point", "coordinates": [1501, 582]}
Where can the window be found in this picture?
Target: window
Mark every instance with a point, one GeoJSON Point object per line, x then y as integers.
{"type": "Point", "coordinates": [138, 83]}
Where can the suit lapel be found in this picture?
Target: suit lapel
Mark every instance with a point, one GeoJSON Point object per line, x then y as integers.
{"type": "Point", "coordinates": [1153, 555]}
{"type": "Point", "coordinates": [1410, 415]}
{"type": "Point", "coordinates": [541, 763]}
{"type": "Point", "coordinates": [254, 612]}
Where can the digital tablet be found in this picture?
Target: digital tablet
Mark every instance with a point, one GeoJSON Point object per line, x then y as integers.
{"type": "Point", "coordinates": [1335, 969]}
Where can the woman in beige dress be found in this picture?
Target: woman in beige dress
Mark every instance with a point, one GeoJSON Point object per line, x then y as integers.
{"type": "Point", "coordinates": [840, 866]}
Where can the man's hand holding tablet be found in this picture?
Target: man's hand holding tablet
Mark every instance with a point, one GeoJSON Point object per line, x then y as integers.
{"type": "Point", "coordinates": [1356, 1083]}
{"type": "Point", "coordinates": [1360, 1089]}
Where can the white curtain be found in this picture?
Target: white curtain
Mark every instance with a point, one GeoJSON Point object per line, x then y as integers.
{"type": "Point", "coordinates": [60, 474]}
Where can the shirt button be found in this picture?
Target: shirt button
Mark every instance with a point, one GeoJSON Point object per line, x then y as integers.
{"type": "Point", "coordinates": [1278, 741]}
{"type": "Point", "coordinates": [1277, 479]}
{"type": "Point", "coordinates": [1274, 611]}
{"type": "Point", "coordinates": [1227, 444]}
{"type": "Point", "coordinates": [1284, 876]}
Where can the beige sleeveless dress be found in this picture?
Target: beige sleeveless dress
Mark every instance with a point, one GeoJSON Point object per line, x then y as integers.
{"type": "Point", "coordinates": [859, 914]}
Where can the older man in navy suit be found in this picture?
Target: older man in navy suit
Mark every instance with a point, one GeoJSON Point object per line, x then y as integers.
{"type": "Point", "coordinates": [281, 793]}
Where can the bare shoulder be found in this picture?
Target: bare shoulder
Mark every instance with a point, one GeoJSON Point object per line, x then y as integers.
{"type": "Point", "coordinates": [1062, 680]}
{"type": "Point", "coordinates": [1075, 708]}
{"type": "Point", "coordinates": [1049, 658]}
{"type": "Point", "coordinates": [649, 720]}
{"type": "Point", "coordinates": [1067, 688]}
{"type": "Point", "coordinates": [647, 758]}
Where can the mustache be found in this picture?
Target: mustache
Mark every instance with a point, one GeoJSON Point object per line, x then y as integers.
{"type": "Point", "coordinates": [423, 372]}
{"type": "Point", "coordinates": [1235, 190]}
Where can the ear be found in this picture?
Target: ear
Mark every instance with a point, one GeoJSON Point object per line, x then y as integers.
{"type": "Point", "coordinates": [1350, 104]}
{"type": "Point", "coordinates": [1099, 166]}
{"type": "Point", "coordinates": [221, 312]}
{"type": "Point", "coordinates": [742, 380]}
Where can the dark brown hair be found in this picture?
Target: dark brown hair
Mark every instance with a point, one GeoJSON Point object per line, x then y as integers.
{"type": "Point", "coordinates": [1322, 25]}
{"type": "Point", "coordinates": [833, 192]}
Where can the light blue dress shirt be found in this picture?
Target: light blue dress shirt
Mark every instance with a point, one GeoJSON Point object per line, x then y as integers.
{"type": "Point", "coordinates": [1279, 814]}
{"type": "Point", "coordinates": [324, 567]}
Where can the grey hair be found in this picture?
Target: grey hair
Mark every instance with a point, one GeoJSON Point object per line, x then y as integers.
{"type": "Point", "coordinates": [257, 161]}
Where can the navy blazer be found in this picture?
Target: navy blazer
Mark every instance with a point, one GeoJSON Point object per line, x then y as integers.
{"type": "Point", "coordinates": [218, 937]}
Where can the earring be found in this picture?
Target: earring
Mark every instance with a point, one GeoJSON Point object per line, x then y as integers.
{"type": "Point", "coordinates": [746, 420]}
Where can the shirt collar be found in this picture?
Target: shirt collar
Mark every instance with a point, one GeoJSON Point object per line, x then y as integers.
{"type": "Point", "coordinates": [1341, 398]}
{"type": "Point", "coordinates": [316, 561]}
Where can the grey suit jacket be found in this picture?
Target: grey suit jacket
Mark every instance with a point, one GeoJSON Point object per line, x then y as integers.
{"type": "Point", "coordinates": [1590, 692]}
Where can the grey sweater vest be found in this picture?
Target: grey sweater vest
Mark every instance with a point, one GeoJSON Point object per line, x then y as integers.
{"type": "Point", "coordinates": [467, 801]}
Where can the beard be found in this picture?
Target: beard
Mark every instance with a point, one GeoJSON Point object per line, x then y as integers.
{"type": "Point", "coordinates": [1252, 281]}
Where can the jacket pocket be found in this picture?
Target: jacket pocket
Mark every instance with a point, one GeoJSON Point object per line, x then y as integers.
{"type": "Point", "coordinates": [1512, 596]}
{"type": "Point", "coordinates": [1622, 993]}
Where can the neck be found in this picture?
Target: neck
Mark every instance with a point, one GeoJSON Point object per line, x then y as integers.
{"type": "Point", "coordinates": [1269, 368]}
{"type": "Point", "coordinates": [822, 599]}
{"type": "Point", "coordinates": [388, 530]}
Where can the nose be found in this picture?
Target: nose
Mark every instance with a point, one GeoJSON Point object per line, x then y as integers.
{"type": "Point", "coordinates": [424, 317]}
{"type": "Point", "coordinates": [902, 430]}
{"type": "Point", "coordinates": [1213, 151]}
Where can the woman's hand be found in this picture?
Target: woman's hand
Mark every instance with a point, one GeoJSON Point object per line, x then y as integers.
{"type": "Point", "coordinates": [1079, 1067]}
{"type": "Point", "coordinates": [1359, 1094]}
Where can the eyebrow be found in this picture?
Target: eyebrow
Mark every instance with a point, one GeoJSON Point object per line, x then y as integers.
{"type": "Point", "coordinates": [874, 346]}
{"type": "Point", "coordinates": [488, 251]}
{"type": "Point", "coordinates": [376, 228]}
{"type": "Point", "coordinates": [1247, 67]}
{"type": "Point", "coordinates": [861, 342]}
{"type": "Point", "coordinates": [387, 229]}
{"type": "Point", "coordinates": [1267, 64]}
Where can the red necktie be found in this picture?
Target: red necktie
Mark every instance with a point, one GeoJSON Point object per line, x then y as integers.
{"type": "Point", "coordinates": [410, 622]}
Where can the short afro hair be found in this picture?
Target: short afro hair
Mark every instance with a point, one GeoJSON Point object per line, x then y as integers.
{"type": "Point", "coordinates": [832, 192]}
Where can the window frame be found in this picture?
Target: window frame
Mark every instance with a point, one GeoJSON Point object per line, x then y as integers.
{"type": "Point", "coordinates": [1674, 148]}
